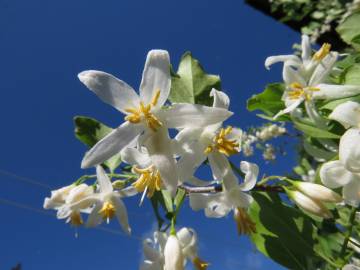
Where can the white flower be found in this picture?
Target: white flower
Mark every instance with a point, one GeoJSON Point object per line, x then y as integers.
{"type": "Point", "coordinates": [270, 131]}
{"type": "Point", "coordinates": [173, 254]}
{"type": "Point", "coordinates": [62, 198]}
{"type": "Point", "coordinates": [149, 179]}
{"type": "Point", "coordinates": [212, 142]}
{"type": "Point", "coordinates": [345, 172]}
{"type": "Point", "coordinates": [154, 252]}
{"type": "Point", "coordinates": [311, 205]}
{"type": "Point", "coordinates": [305, 79]}
{"type": "Point", "coordinates": [189, 243]}
{"type": "Point", "coordinates": [58, 197]}
{"type": "Point", "coordinates": [351, 267]}
{"type": "Point", "coordinates": [106, 203]}
{"type": "Point", "coordinates": [233, 197]}
{"type": "Point", "coordinates": [145, 113]}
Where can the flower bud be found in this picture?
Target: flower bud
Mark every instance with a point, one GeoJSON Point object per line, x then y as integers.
{"type": "Point", "coordinates": [174, 258]}
{"type": "Point", "coordinates": [311, 205]}
{"type": "Point", "coordinates": [317, 192]}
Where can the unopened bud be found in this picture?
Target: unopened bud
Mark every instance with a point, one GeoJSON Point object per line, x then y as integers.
{"type": "Point", "coordinates": [174, 258]}
{"type": "Point", "coordinates": [317, 192]}
{"type": "Point", "coordinates": [313, 206]}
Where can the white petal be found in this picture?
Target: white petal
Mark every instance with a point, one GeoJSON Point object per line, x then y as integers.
{"type": "Point", "coordinates": [332, 91]}
{"type": "Point", "coordinates": [221, 100]}
{"type": "Point", "coordinates": [290, 108]}
{"type": "Point", "coordinates": [156, 76]}
{"type": "Point", "coordinates": [292, 76]}
{"type": "Point", "coordinates": [351, 193]}
{"type": "Point", "coordinates": [239, 198]}
{"type": "Point", "coordinates": [190, 161]}
{"type": "Point", "coordinates": [150, 252]}
{"type": "Point", "coordinates": [349, 150]}
{"type": "Point", "coordinates": [110, 89]}
{"type": "Point", "coordinates": [334, 175]}
{"type": "Point", "coordinates": [112, 144]}
{"type": "Point", "coordinates": [183, 115]}
{"type": "Point", "coordinates": [185, 236]}
{"type": "Point", "coordinates": [221, 170]}
{"type": "Point", "coordinates": [350, 267]}
{"type": "Point", "coordinates": [78, 193]}
{"type": "Point", "coordinates": [133, 156]}
{"type": "Point", "coordinates": [174, 258]}
{"type": "Point", "coordinates": [347, 114]}
{"type": "Point", "coordinates": [251, 171]}
{"type": "Point", "coordinates": [323, 69]}
{"type": "Point", "coordinates": [198, 182]}
{"type": "Point", "coordinates": [218, 210]}
{"type": "Point", "coordinates": [94, 218]}
{"type": "Point", "coordinates": [103, 180]}
{"type": "Point", "coordinates": [200, 201]}
{"type": "Point", "coordinates": [162, 157]}
{"type": "Point", "coordinates": [291, 60]}
{"type": "Point", "coordinates": [127, 192]}
{"type": "Point", "coordinates": [306, 50]}
{"type": "Point", "coordinates": [121, 214]}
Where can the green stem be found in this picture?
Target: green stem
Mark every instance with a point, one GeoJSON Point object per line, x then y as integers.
{"type": "Point", "coordinates": [349, 231]}
{"type": "Point", "coordinates": [269, 178]}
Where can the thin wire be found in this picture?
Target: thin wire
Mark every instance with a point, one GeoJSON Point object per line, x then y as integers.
{"type": "Point", "coordinates": [24, 179]}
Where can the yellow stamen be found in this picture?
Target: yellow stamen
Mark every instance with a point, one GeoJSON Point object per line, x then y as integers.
{"type": "Point", "coordinates": [297, 91]}
{"type": "Point", "coordinates": [155, 98]}
{"type": "Point", "coordinates": [222, 144]}
{"type": "Point", "coordinates": [149, 179]}
{"type": "Point", "coordinates": [144, 113]}
{"type": "Point", "coordinates": [322, 52]}
{"type": "Point", "coordinates": [243, 222]}
{"type": "Point", "coordinates": [200, 264]}
{"type": "Point", "coordinates": [107, 211]}
{"type": "Point", "coordinates": [75, 219]}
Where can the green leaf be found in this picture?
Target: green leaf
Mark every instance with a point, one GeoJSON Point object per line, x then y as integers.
{"type": "Point", "coordinates": [167, 200]}
{"type": "Point", "coordinates": [313, 131]}
{"type": "Point", "coordinates": [331, 105]}
{"type": "Point", "coordinates": [352, 75]}
{"type": "Point", "coordinates": [89, 131]}
{"type": "Point", "coordinates": [179, 199]}
{"type": "Point", "coordinates": [349, 30]}
{"type": "Point", "coordinates": [191, 84]}
{"type": "Point", "coordinates": [284, 233]}
{"type": "Point", "coordinates": [269, 101]}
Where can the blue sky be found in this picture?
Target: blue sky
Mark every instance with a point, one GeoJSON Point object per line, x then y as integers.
{"type": "Point", "coordinates": [44, 44]}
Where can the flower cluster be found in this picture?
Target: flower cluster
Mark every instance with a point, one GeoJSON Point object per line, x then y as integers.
{"type": "Point", "coordinates": [159, 162]}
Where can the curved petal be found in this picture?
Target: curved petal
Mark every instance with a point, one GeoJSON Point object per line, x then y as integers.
{"type": "Point", "coordinates": [182, 115]}
{"type": "Point", "coordinates": [333, 91]}
{"type": "Point", "coordinates": [110, 89]}
{"type": "Point", "coordinates": [111, 144]}
{"type": "Point", "coordinates": [292, 76]}
{"type": "Point", "coordinates": [217, 210]}
{"type": "Point", "coordinates": [221, 100]}
{"type": "Point", "coordinates": [239, 198]}
{"type": "Point", "coordinates": [333, 174]}
{"type": "Point", "coordinates": [351, 193]}
{"type": "Point", "coordinates": [290, 59]}
{"type": "Point", "coordinates": [347, 114]}
{"type": "Point", "coordinates": [190, 161]}
{"type": "Point", "coordinates": [323, 69]}
{"type": "Point", "coordinates": [162, 157]}
{"type": "Point", "coordinates": [133, 156]}
{"type": "Point", "coordinates": [78, 193]}
{"type": "Point", "coordinates": [185, 236]}
{"type": "Point", "coordinates": [103, 180]}
{"type": "Point", "coordinates": [251, 171]}
{"type": "Point", "coordinates": [200, 201]}
{"type": "Point", "coordinates": [221, 170]}
{"type": "Point", "coordinates": [121, 213]}
{"type": "Point", "coordinates": [94, 218]}
{"type": "Point", "coordinates": [150, 252]}
{"type": "Point", "coordinates": [349, 150]}
{"type": "Point", "coordinates": [156, 76]}
{"type": "Point", "coordinates": [306, 50]}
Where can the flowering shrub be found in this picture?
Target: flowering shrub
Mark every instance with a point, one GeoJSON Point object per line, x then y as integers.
{"type": "Point", "coordinates": [306, 220]}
